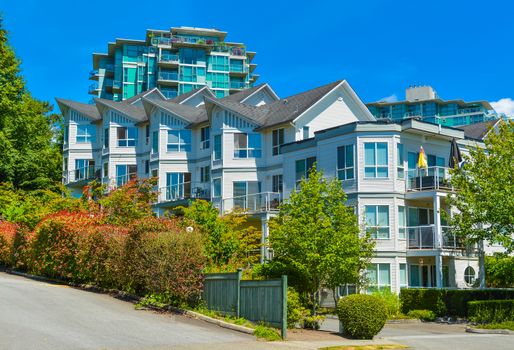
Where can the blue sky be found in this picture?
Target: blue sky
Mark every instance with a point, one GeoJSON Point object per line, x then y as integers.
{"type": "Point", "coordinates": [464, 49]}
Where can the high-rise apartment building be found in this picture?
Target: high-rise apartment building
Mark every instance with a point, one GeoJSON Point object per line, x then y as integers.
{"type": "Point", "coordinates": [176, 61]}
{"type": "Point", "coordinates": [423, 103]}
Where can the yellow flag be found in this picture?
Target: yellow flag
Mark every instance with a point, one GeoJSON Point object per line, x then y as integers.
{"type": "Point", "coordinates": [422, 159]}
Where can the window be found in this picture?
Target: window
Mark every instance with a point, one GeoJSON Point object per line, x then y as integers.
{"type": "Point", "coordinates": [66, 133]}
{"type": "Point", "coordinates": [345, 162]}
{"type": "Point", "coordinates": [86, 133]}
{"type": "Point", "coordinates": [155, 172]}
{"type": "Point", "coordinates": [179, 141]}
{"type": "Point", "coordinates": [124, 173]}
{"type": "Point", "coordinates": [402, 222]}
{"type": "Point", "coordinates": [277, 184]}
{"type": "Point", "coordinates": [375, 160]}
{"type": "Point", "coordinates": [147, 166]}
{"type": "Point", "coordinates": [379, 276]}
{"type": "Point", "coordinates": [106, 170]}
{"type": "Point", "coordinates": [205, 174]}
{"type": "Point", "coordinates": [246, 194]}
{"type": "Point", "coordinates": [400, 169]}
{"type": "Point", "coordinates": [302, 168]}
{"type": "Point", "coordinates": [469, 275]}
{"type": "Point", "coordinates": [127, 136]}
{"type": "Point", "coordinates": [147, 134]}
{"type": "Point", "coordinates": [178, 186]}
{"type": "Point", "coordinates": [217, 147]}
{"type": "Point", "coordinates": [155, 142]}
{"type": "Point", "coordinates": [305, 132]}
{"type": "Point", "coordinates": [277, 141]}
{"type": "Point", "coordinates": [403, 275]}
{"type": "Point", "coordinates": [84, 169]}
{"type": "Point", "coordinates": [414, 280]}
{"type": "Point", "coordinates": [205, 138]}
{"type": "Point", "coordinates": [377, 221]}
{"type": "Point", "coordinates": [247, 145]}
{"type": "Point", "coordinates": [106, 138]}
{"type": "Point", "coordinates": [216, 187]}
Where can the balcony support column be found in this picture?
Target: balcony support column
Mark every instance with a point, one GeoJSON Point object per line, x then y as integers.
{"type": "Point", "coordinates": [264, 238]}
{"type": "Point", "coordinates": [438, 240]}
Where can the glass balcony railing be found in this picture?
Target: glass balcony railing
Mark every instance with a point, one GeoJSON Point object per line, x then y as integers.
{"type": "Point", "coordinates": [167, 58]}
{"type": "Point", "coordinates": [185, 190]}
{"type": "Point", "coordinates": [237, 84]}
{"type": "Point", "coordinates": [80, 174]}
{"type": "Point", "coordinates": [116, 84]}
{"type": "Point", "coordinates": [257, 202]}
{"type": "Point", "coordinates": [469, 110]}
{"type": "Point", "coordinates": [93, 73]}
{"type": "Point", "coordinates": [424, 237]}
{"type": "Point", "coordinates": [431, 178]}
{"type": "Point", "coordinates": [168, 76]}
{"type": "Point", "coordinates": [93, 88]}
{"type": "Point", "coordinates": [238, 69]}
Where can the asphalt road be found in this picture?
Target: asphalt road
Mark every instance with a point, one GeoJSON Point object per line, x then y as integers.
{"type": "Point", "coordinates": [36, 315]}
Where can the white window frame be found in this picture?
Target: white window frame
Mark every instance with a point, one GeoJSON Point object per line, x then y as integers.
{"type": "Point", "coordinates": [126, 141]}
{"type": "Point", "coordinates": [181, 146]}
{"type": "Point", "coordinates": [379, 284]}
{"type": "Point", "coordinates": [376, 166]}
{"type": "Point", "coordinates": [86, 137]}
{"type": "Point", "coordinates": [251, 152]}
{"type": "Point", "coordinates": [375, 229]}
{"type": "Point", "coordinates": [205, 139]}
{"type": "Point", "coordinates": [276, 145]}
{"type": "Point", "coordinates": [342, 173]}
{"type": "Point", "coordinates": [402, 226]}
{"type": "Point", "coordinates": [400, 162]}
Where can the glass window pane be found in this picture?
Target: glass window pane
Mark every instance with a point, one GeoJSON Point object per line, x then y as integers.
{"type": "Point", "coordinates": [372, 274]}
{"type": "Point", "coordinates": [254, 141]}
{"type": "Point", "coordinates": [384, 275]}
{"type": "Point", "coordinates": [173, 136]}
{"type": "Point", "coordinates": [217, 187]}
{"type": "Point", "coordinates": [239, 188]}
{"type": "Point", "coordinates": [369, 154]}
{"type": "Point", "coordinates": [300, 169]}
{"type": "Point", "coordinates": [383, 215]}
{"type": "Point", "coordinates": [382, 153]}
{"type": "Point", "coordinates": [382, 172]}
{"type": "Point", "coordinates": [240, 141]}
{"type": "Point", "coordinates": [414, 276]}
{"type": "Point", "coordinates": [349, 156]}
{"type": "Point", "coordinates": [369, 172]}
{"type": "Point", "coordinates": [349, 174]}
{"type": "Point", "coordinates": [403, 275]}
{"type": "Point", "coordinates": [341, 157]}
{"type": "Point", "coordinates": [371, 215]}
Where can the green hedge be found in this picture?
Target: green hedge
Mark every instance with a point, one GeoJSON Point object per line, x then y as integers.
{"type": "Point", "coordinates": [448, 302]}
{"type": "Point", "coordinates": [362, 315]}
{"type": "Point", "coordinates": [491, 311]}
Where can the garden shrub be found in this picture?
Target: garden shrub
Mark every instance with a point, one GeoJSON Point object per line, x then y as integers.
{"type": "Point", "coordinates": [391, 301]}
{"type": "Point", "coordinates": [423, 315]}
{"type": "Point", "coordinates": [491, 311]}
{"type": "Point", "coordinates": [296, 312]}
{"type": "Point", "coordinates": [448, 302]}
{"type": "Point", "coordinates": [361, 315]}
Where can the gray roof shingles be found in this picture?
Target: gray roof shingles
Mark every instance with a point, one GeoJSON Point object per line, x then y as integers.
{"type": "Point", "coordinates": [479, 130]}
{"type": "Point", "coordinates": [133, 112]}
{"type": "Point", "coordinates": [89, 110]}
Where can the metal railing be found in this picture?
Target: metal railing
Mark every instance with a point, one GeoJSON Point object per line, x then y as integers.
{"type": "Point", "coordinates": [257, 202]}
{"type": "Point", "coordinates": [237, 84]}
{"type": "Point", "coordinates": [238, 69]}
{"type": "Point", "coordinates": [184, 190]}
{"type": "Point", "coordinates": [168, 58]}
{"type": "Point", "coordinates": [168, 76]}
{"type": "Point", "coordinates": [80, 174]}
{"type": "Point", "coordinates": [121, 180]}
{"type": "Point", "coordinates": [93, 88]}
{"type": "Point", "coordinates": [93, 73]}
{"type": "Point", "coordinates": [116, 84]}
{"type": "Point", "coordinates": [431, 178]}
{"type": "Point", "coordinates": [424, 237]}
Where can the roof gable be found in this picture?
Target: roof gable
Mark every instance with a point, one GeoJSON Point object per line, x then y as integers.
{"type": "Point", "coordinates": [88, 110]}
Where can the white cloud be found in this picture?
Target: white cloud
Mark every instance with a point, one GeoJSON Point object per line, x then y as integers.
{"type": "Point", "coordinates": [504, 105]}
{"type": "Point", "coordinates": [392, 98]}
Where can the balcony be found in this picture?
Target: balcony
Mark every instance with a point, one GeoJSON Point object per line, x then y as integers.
{"type": "Point", "coordinates": [237, 85]}
{"type": "Point", "coordinates": [170, 78]}
{"type": "Point", "coordinates": [429, 179]}
{"type": "Point", "coordinates": [109, 70]}
{"type": "Point", "coordinates": [81, 174]}
{"type": "Point", "coordinates": [186, 190]}
{"type": "Point", "coordinates": [94, 75]}
{"type": "Point", "coordinates": [424, 237]}
{"type": "Point", "coordinates": [116, 85]}
{"type": "Point", "coordinates": [252, 203]}
{"type": "Point", "coordinates": [93, 89]}
{"type": "Point", "coordinates": [168, 60]}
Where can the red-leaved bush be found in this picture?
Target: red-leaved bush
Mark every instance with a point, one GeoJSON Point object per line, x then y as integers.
{"type": "Point", "coordinates": [145, 256]}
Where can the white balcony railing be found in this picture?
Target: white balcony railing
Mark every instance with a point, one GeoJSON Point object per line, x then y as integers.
{"type": "Point", "coordinates": [186, 190]}
{"type": "Point", "coordinates": [424, 237]}
{"type": "Point", "coordinates": [431, 178]}
{"type": "Point", "coordinates": [257, 202]}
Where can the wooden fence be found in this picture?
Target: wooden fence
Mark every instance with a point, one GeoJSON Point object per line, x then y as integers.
{"type": "Point", "coordinates": [256, 301]}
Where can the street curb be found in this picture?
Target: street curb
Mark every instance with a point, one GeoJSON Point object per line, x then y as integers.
{"type": "Point", "coordinates": [489, 331]}
{"type": "Point", "coordinates": [134, 298]}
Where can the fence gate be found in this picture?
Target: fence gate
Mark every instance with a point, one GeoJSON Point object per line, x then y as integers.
{"type": "Point", "coordinates": [256, 301]}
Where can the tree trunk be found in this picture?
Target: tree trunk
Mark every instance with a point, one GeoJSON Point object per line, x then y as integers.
{"type": "Point", "coordinates": [334, 294]}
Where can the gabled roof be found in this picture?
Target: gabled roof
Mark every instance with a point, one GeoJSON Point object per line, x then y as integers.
{"type": "Point", "coordinates": [245, 94]}
{"type": "Point", "coordinates": [184, 97]}
{"type": "Point", "coordinates": [133, 112]}
{"type": "Point", "coordinates": [153, 93]}
{"type": "Point", "coordinates": [88, 110]}
{"type": "Point", "coordinates": [479, 131]}
{"type": "Point", "coordinates": [252, 113]}
{"type": "Point", "coordinates": [190, 114]}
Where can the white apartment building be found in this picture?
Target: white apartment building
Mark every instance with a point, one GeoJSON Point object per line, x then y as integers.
{"type": "Point", "coordinates": [250, 149]}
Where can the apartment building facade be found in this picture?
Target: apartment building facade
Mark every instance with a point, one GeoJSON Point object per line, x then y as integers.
{"type": "Point", "coordinates": [249, 150]}
{"type": "Point", "coordinates": [176, 61]}
{"type": "Point", "coordinates": [423, 103]}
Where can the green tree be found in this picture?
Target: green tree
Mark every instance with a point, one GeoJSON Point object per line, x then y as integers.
{"type": "Point", "coordinates": [29, 158]}
{"type": "Point", "coordinates": [485, 190]}
{"type": "Point", "coordinates": [499, 270]}
{"type": "Point", "coordinates": [316, 238]}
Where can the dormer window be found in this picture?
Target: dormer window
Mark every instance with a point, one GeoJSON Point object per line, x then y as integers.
{"type": "Point", "coordinates": [86, 133]}
{"type": "Point", "coordinates": [247, 145]}
{"type": "Point", "coordinates": [277, 141]}
{"type": "Point", "coordinates": [179, 141]}
{"type": "Point", "coordinates": [127, 136]}
{"type": "Point", "coordinates": [205, 138]}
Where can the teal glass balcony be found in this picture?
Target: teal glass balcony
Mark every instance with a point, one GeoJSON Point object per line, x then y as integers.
{"type": "Point", "coordinates": [168, 76]}
{"type": "Point", "coordinates": [237, 85]}
{"type": "Point", "coordinates": [168, 58]}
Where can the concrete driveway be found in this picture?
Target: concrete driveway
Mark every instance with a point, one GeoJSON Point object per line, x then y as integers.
{"type": "Point", "coordinates": [36, 315]}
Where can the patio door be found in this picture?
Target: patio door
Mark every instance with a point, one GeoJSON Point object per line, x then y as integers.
{"type": "Point", "coordinates": [246, 194]}
{"type": "Point", "coordinates": [178, 186]}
